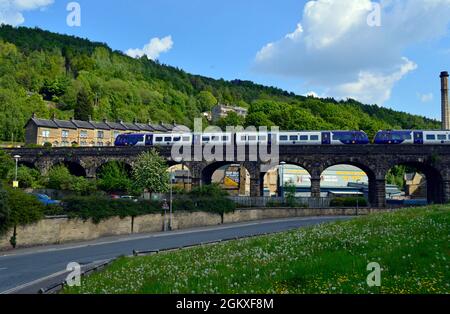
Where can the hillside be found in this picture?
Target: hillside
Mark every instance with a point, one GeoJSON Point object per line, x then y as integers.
{"type": "Point", "coordinates": [49, 73]}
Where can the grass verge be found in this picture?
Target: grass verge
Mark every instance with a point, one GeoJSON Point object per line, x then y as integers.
{"type": "Point", "coordinates": [411, 245]}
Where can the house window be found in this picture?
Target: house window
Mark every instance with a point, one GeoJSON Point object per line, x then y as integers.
{"type": "Point", "coordinates": [46, 133]}
{"type": "Point", "coordinates": [100, 134]}
{"type": "Point", "coordinates": [83, 134]}
{"type": "Point", "coordinates": [83, 143]}
{"type": "Point", "coordinates": [64, 134]}
{"type": "Point", "coordinates": [100, 144]}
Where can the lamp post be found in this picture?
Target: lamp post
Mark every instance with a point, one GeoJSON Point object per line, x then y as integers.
{"type": "Point", "coordinates": [172, 179]}
{"type": "Point", "coordinates": [15, 183]}
{"type": "Point", "coordinates": [282, 164]}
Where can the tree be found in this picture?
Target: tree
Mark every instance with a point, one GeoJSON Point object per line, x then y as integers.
{"type": "Point", "coordinates": [4, 211]}
{"type": "Point", "coordinates": [6, 164]}
{"type": "Point", "coordinates": [232, 120]}
{"type": "Point", "coordinates": [84, 108]}
{"type": "Point", "coordinates": [206, 100]}
{"type": "Point", "coordinates": [150, 173]}
{"type": "Point", "coordinates": [114, 177]}
{"type": "Point", "coordinates": [28, 177]}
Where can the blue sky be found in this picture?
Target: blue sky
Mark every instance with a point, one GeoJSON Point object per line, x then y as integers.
{"type": "Point", "coordinates": [332, 53]}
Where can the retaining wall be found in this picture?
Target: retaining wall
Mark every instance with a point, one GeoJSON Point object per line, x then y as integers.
{"type": "Point", "coordinates": [62, 230]}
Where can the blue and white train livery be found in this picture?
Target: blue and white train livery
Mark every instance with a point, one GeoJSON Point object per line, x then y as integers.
{"type": "Point", "coordinates": [412, 137]}
{"type": "Point", "coordinates": [246, 138]}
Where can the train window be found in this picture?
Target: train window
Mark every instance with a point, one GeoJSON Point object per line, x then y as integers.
{"type": "Point", "coordinates": [177, 139]}
{"type": "Point", "coordinates": [215, 138]}
{"type": "Point", "coordinates": [303, 137]}
{"type": "Point", "coordinates": [442, 137]}
{"type": "Point", "coordinates": [431, 137]}
{"type": "Point", "coordinates": [168, 139]}
{"type": "Point", "coordinates": [186, 139]}
{"type": "Point", "coordinates": [225, 138]}
{"type": "Point", "coordinates": [205, 138]}
{"type": "Point", "coordinates": [314, 137]}
{"type": "Point", "coordinates": [252, 138]}
{"type": "Point", "coordinates": [243, 138]}
{"type": "Point", "coordinates": [159, 139]}
{"type": "Point", "coordinates": [283, 137]}
{"type": "Point", "coordinates": [262, 138]}
{"type": "Point", "coordinates": [293, 138]}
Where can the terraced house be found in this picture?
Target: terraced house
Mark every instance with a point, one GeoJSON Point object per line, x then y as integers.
{"type": "Point", "coordinates": [65, 133]}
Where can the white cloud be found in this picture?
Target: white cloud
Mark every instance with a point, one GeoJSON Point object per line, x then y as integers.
{"type": "Point", "coordinates": [11, 10]}
{"type": "Point", "coordinates": [153, 49]}
{"type": "Point", "coordinates": [425, 97]}
{"type": "Point", "coordinates": [333, 47]}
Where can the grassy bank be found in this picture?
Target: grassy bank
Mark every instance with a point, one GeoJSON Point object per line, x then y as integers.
{"type": "Point", "coordinates": [411, 245]}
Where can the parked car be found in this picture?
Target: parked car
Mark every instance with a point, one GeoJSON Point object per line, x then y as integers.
{"type": "Point", "coordinates": [128, 197]}
{"type": "Point", "coordinates": [46, 200]}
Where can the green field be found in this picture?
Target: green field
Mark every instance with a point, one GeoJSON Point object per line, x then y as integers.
{"type": "Point", "coordinates": [412, 247]}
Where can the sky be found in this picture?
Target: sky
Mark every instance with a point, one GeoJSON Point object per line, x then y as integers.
{"type": "Point", "coordinates": [385, 52]}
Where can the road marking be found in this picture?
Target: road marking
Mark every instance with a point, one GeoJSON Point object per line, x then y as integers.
{"type": "Point", "coordinates": [31, 283]}
{"type": "Point", "coordinates": [129, 238]}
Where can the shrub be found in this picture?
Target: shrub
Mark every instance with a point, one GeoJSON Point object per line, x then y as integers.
{"type": "Point", "coordinates": [114, 177]}
{"type": "Point", "coordinates": [27, 177]}
{"type": "Point", "coordinates": [100, 208]}
{"type": "Point", "coordinates": [6, 164]}
{"type": "Point", "coordinates": [348, 202]}
{"type": "Point", "coordinates": [59, 178]}
{"type": "Point", "coordinates": [24, 208]}
{"type": "Point", "coordinates": [206, 198]}
{"type": "Point", "coordinates": [4, 211]}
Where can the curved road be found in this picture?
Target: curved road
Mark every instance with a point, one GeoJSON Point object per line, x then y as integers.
{"type": "Point", "coordinates": [28, 270]}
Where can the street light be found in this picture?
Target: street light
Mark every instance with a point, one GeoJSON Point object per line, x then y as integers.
{"type": "Point", "coordinates": [172, 179]}
{"type": "Point", "coordinates": [15, 183]}
{"type": "Point", "coordinates": [282, 164]}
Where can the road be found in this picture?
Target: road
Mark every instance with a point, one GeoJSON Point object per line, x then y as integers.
{"type": "Point", "coordinates": [28, 270]}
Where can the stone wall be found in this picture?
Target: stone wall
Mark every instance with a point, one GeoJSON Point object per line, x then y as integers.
{"type": "Point", "coordinates": [63, 230]}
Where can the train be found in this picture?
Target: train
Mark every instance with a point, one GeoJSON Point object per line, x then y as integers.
{"type": "Point", "coordinates": [391, 137]}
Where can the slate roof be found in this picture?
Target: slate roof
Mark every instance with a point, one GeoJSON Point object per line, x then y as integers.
{"type": "Point", "coordinates": [43, 123]}
{"type": "Point", "coordinates": [116, 126]}
{"type": "Point", "coordinates": [145, 127]}
{"type": "Point", "coordinates": [83, 124]}
{"type": "Point", "coordinates": [130, 126]}
{"type": "Point", "coordinates": [63, 124]}
{"type": "Point", "coordinates": [100, 125]}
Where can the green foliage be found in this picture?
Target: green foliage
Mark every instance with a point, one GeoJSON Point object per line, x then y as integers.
{"type": "Point", "coordinates": [114, 177]}
{"type": "Point", "coordinates": [24, 208]}
{"type": "Point", "coordinates": [150, 173]}
{"type": "Point", "coordinates": [48, 74]}
{"type": "Point", "coordinates": [59, 178]}
{"type": "Point", "coordinates": [4, 211]}
{"type": "Point", "coordinates": [232, 119]}
{"type": "Point", "coordinates": [6, 164]}
{"type": "Point", "coordinates": [348, 202]}
{"type": "Point", "coordinates": [27, 177]}
{"type": "Point", "coordinates": [100, 208]}
{"type": "Point", "coordinates": [411, 245]}
{"type": "Point", "coordinates": [396, 176]}
{"type": "Point", "coordinates": [83, 109]}
{"type": "Point", "coordinates": [206, 198]}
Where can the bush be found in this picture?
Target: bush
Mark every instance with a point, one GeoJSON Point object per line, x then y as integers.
{"type": "Point", "coordinates": [114, 177]}
{"type": "Point", "coordinates": [206, 198]}
{"type": "Point", "coordinates": [4, 211]}
{"type": "Point", "coordinates": [59, 178]}
{"type": "Point", "coordinates": [348, 202]}
{"type": "Point", "coordinates": [24, 208]}
{"type": "Point", "coordinates": [27, 177]}
{"type": "Point", "coordinates": [100, 208]}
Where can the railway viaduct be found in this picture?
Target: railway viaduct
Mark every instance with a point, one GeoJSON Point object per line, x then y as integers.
{"type": "Point", "coordinates": [374, 160]}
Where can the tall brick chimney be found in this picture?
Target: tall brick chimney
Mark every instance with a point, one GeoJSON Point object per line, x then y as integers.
{"type": "Point", "coordinates": [444, 97]}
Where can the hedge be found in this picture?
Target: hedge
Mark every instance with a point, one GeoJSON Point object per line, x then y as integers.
{"type": "Point", "coordinates": [348, 202]}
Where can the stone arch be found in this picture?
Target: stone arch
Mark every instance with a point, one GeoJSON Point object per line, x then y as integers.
{"type": "Point", "coordinates": [376, 177]}
{"type": "Point", "coordinates": [127, 166]}
{"type": "Point", "coordinates": [28, 164]}
{"type": "Point", "coordinates": [243, 187]}
{"type": "Point", "coordinates": [295, 173]}
{"type": "Point", "coordinates": [182, 174]}
{"type": "Point", "coordinates": [433, 175]}
{"type": "Point", "coordinates": [74, 167]}
{"type": "Point", "coordinates": [345, 179]}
